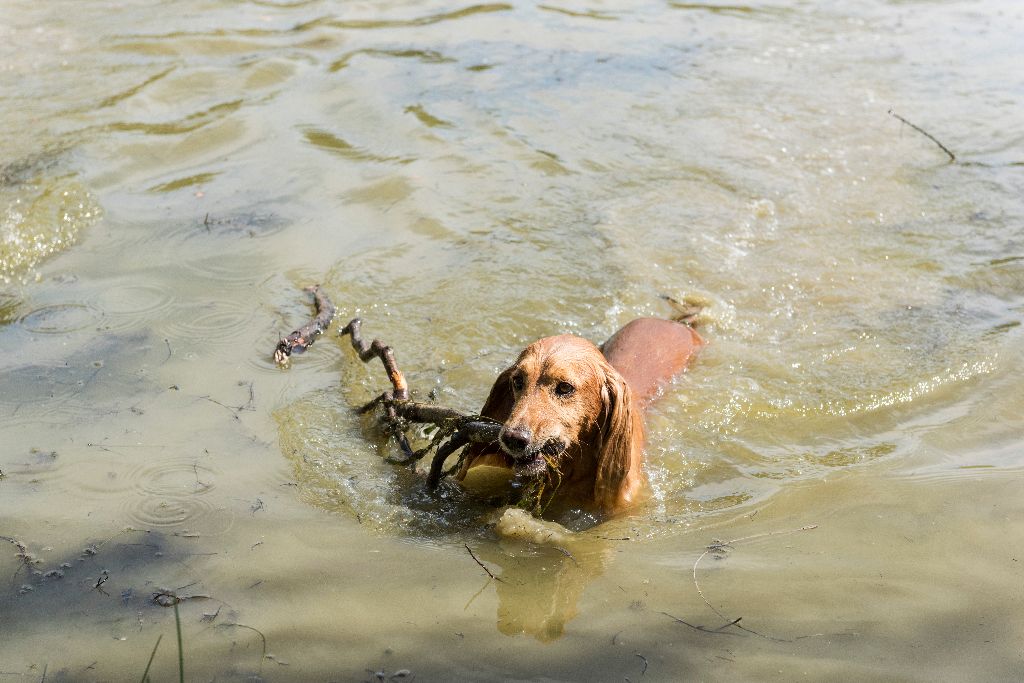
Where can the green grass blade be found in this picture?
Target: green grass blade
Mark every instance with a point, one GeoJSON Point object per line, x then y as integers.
{"type": "Point", "coordinates": [145, 674]}
{"type": "Point", "coordinates": [181, 653]}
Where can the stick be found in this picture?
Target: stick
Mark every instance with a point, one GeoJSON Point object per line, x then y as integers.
{"type": "Point", "coordinates": [263, 639]}
{"type": "Point", "coordinates": [922, 131]}
{"type": "Point", "coordinates": [302, 338]}
{"type": "Point", "coordinates": [377, 349]}
{"type": "Point", "coordinates": [457, 427]}
{"type": "Point", "coordinates": [397, 409]}
{"type": "Point", "coordinates": [482, 565]}
{"type": "Point", "coordinates": [722, 547]}
{"type": "Point", "coordinates": [702, 629]}
{"type": "Point", "coordinates": [457, 441]}
{"type": "Point", "coordinates": [686, 311]}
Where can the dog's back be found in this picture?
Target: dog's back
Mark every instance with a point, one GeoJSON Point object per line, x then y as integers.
{"type": "Point", "coordinates": [648, 352]}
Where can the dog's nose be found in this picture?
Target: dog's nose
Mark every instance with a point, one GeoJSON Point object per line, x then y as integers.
{"type": "Point", "coordinates": [515, 439]}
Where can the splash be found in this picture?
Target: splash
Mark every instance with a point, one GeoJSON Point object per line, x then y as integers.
{"type": "Point", "coordinates": [38, 222]}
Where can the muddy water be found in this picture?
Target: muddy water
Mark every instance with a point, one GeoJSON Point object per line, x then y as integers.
{"type": "Point", "coordinates": [841, 471]}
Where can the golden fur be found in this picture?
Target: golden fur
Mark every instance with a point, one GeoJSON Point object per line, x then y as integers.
{"type": "Point", "coordinates": [563, 405]}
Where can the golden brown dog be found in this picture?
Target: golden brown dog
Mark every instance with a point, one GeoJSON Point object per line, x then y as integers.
{"type": "Point", "coordinates": [579, 408]}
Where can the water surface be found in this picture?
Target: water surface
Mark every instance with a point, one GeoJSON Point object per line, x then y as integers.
{"type": "Point", "coordinates": [841, 470]}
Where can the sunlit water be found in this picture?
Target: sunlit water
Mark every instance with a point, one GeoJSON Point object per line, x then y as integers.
{"type": "Point", "coordinates": [468, 178]}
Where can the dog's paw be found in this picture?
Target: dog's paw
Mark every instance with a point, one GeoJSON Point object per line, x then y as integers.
{"type": "Point", "coordinates": [518, 524]}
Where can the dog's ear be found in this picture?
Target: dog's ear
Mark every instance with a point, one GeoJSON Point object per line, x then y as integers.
{"type": "Point", "coordinates": [498, 406]}
{"type": "Point", "coordinates": [620, 448]}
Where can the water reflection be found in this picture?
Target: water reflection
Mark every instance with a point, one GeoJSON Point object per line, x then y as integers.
{"type": "Point", "coordinates": [541, 584]}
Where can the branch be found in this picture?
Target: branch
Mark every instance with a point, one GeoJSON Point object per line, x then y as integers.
{"type": "Point", "coordinates": [302, 338]}
{"type": "Point", "coordinates": [482, 565]}
{"type": "Point", "coordinates": [720, 548]}
{"type": "Point", "coordinates": [455, 429]}
{"type": "Point", "coordinates": [377, 349]}
{"type": "Point", "coordinates": [922, 131]}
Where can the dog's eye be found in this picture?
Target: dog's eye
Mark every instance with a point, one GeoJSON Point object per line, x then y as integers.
{"type": "Point", "coordinates": [564, 389]}
{"type": "Point", "coordinates": [517, 383]}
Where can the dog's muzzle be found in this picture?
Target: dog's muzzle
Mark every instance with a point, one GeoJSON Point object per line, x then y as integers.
{"type": "Point", "coordinates": [527, 456]}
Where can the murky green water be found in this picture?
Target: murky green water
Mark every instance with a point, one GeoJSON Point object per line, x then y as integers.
{"type": "Point", "coordinates": [468, 178]}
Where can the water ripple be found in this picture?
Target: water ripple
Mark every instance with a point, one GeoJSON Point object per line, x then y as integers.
{"type": "Point", "coordinates": [425, 20]}
{"type": "Point", "coordinates": [61, 318]}
{"type": "Point", "coordinates": [211, 323]}
{"type": "Point", "coordinates": [128, 306]}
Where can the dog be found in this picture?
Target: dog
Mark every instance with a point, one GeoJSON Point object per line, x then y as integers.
{"type": "Point", "coordinates": [576, 408]}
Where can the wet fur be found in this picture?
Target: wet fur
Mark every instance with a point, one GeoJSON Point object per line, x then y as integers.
{"type": "Point", "coordinates": [595, 436]}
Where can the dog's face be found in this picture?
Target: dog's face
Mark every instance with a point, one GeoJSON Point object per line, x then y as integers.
{"type": "Point", "coordinates": [561, 404]}
{"type": "Point", "coordinates": [558, 389]}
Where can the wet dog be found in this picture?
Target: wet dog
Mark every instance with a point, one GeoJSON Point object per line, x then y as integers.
{"type": "Point", "coordinates": [577, 409]}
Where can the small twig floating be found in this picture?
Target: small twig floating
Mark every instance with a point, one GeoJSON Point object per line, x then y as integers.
{"type": "Point", "coordinates": [302, 338]}
{"type": "Point", "coordinates": [685, 311]}
{"type": "Point", "coordinates": [720, 548]}
{"type": "Point", "coordinates": [703, 629]}
{"type": "Point", "coordinates": [23, 554]}
{"type": "Point", "coordinates": [922, 131]}
{"type": "Point", "coordinates": [482, 565]}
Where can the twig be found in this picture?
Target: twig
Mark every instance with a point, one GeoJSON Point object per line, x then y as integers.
{"type": "Point", "coordinates": [686, 311]}
{"type": "Point", "coordinates": [696, 627]}
{"type": "Point", "coordinates": [249, 405]}
{"type": "Point", "coordinates": [28, 560]}
{"type": "Point", "coordinates": [482, 565]}
{"type": "Point", "coordinates": [456, 442]}
{"type": "Point", "coordinates": [566, 553]}
{"type": "Point", "coordinates": [722, 547]}
{"type": "Point", "coordinates": [731, 623]}
{"type": "Point", "coordinates": [302, 338]}
{"type": "Point", "coordinates": [458, 428]}
{"type": "Point", "coordinates": [477, 594]}
{"type": "Point", "coordinates": [377, 349]}
{"type": "Point", "coordinates": [455, 429]}
{"type": "Point", "coordinates": [100, 580]}
{"type": "Point", "coordinates": [263, 639]}
{"type": "Point", "coordinates": [922, 131]}
{"type": "Point", "coordinates": [234, 411]}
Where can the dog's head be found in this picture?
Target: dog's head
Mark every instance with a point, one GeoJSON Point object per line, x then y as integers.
{"type": "Point", "coordinates": [562, 405]}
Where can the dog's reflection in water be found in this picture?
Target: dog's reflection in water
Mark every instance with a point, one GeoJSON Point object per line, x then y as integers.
{"type": "Point", "coordinates": [544, 570]}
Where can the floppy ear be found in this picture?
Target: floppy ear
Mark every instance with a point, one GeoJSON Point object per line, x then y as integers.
{"type": "Point", "coordinates": [498, 406]}
{"type": "Point", "coordinates": [620, 449]}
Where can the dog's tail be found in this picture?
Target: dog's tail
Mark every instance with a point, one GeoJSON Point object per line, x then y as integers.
{"type": "Point", "coordinates": [686, 311]}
